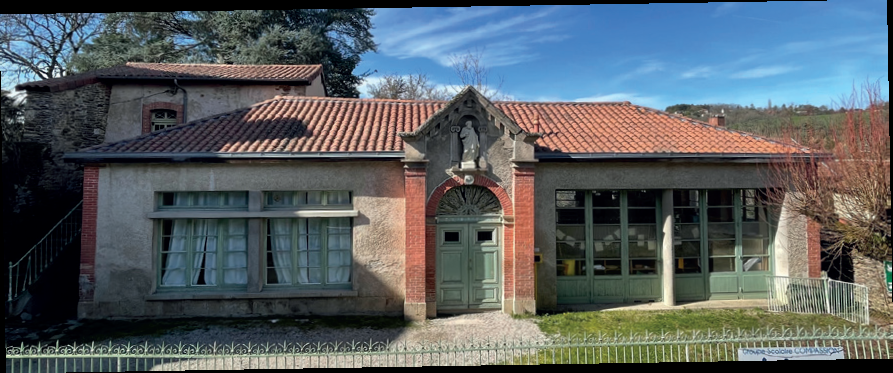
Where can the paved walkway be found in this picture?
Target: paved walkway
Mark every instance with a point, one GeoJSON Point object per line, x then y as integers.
{"type": "Point", "coordinates": [657, 306]}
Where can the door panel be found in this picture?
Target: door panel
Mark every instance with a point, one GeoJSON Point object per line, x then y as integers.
{"type": "Point", "coordinates": [468, 275]}
{"type": "Point", "coordinates": [452, 263]}
{"type": "Point", "coordinates": [724, 285]}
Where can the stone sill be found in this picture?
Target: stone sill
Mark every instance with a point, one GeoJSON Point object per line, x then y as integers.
{"type": "Point", "coordinates": [262, 295]}
{"type": "Point", "coordinates": [249, 215]}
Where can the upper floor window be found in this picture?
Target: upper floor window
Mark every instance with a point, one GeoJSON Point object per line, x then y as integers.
{"type": "Point", "coordinates": [163, 118]}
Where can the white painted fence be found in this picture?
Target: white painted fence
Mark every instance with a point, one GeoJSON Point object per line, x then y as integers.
{"type": "Point", "coordinates": [819, 296]}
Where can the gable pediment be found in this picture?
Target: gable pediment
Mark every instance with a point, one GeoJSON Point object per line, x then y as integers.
{"type": "Point", "coordinates": [467, 103]}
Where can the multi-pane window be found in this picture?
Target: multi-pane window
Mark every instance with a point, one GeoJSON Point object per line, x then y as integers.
{"type": "Point", "coordinates": [309, 252]}
{"type": "Point", "coordinates": [312, 251]}
{"type": "Point", "coordinates": [687, 245]}
{"type": "Point", "coordinates": [642, 231]}
{"type": "Point", "coordinates": [208, 253]}
{"type": "Point", "coordinates": [162, 119]}
{"type": "Point", "coordinates": [315, 198]}
{"type": "Point", "coordinates": [619, 226]}
{"type": "Point", "coordinates": [606, 233]}
{"type": "Point", "coordinates": [755, 230]}
{"type": "Point", "coordinates": [737, 229]}
{"type": "Point", "coordinates": [571, 232]}
{"type": "Point", "coordinates": [721, 230]}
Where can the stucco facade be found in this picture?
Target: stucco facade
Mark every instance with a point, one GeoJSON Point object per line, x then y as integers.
{"type": "Point", "coordinates": [126, 260]}
{"type": "Point", "coordinates": [126, 102]}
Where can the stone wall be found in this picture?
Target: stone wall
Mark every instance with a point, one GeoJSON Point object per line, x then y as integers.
{"type": "Point", "coordinates": [871, 273]}
{"type": "Point", "coordinates": [60, 122]}
{"type": "Point", "coordinates": [39, 187]}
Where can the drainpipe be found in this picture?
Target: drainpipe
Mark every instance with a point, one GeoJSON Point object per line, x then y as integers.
{"type": "Point", "coordinates": [185, 100]}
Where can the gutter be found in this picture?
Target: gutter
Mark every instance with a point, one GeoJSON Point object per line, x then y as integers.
{"type": "Point", "coordinates": [745, 157]}
{"type": "Point", "coordinates": [223, 157]}
{"type": "Point", "coordinates": [185, 100]}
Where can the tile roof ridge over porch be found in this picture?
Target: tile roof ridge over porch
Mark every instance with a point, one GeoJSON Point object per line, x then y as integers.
{"type": "Point", "coordinates": [289, 126]}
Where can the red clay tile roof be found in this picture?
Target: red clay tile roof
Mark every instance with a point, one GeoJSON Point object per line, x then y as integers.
{"type": "Point", "coordinates": [307, 124]}
{"type": "Point", "coordinates": [217, 72]}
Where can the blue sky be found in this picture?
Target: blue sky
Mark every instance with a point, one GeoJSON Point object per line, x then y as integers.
{"type": "Point", "coordinates": [653, 55]}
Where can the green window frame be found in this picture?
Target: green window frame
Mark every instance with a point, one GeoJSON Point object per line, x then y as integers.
{"type": "Point", "coordinates": [310, 253]}
{"type": "Point", "coordinates": [732, 229]}
{"type": "Point", "coordinates": [616, 225]}
{"type": "Point", "coordinates": [228, 200]}
{"type": "Point", "coordinates": [199, 254]}
{"type": "Point", "coordinates": [311, 199]}
{"type": "Point", "coordinates": [202, 254]}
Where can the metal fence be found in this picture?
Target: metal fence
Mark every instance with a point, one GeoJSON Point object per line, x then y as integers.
{"type": "Point", "coordinates": [859, 343]}
{"type": "Point", "coordinates": [819, 296]}
{"type": "Point", "coordinates": [27, 270]}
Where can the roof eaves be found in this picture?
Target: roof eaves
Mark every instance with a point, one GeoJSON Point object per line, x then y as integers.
{"type": "Point", "coordinates": [584, 157]}
{"type": "Point", "coordinates": [124, 157]}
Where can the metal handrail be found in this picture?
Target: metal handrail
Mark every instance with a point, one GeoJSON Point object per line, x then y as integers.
{"type": "Point", "coordinates": [42, 254]}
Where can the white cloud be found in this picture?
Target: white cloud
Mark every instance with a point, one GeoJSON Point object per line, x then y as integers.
{"type": "Point", "coordinates": [698, 72]}
{"type": "Point", "coordinates": [762, 72]}
{"type": "Point", "coordinates": [506, 40]}
{"type": "Point", "coordinates": [725, 8]}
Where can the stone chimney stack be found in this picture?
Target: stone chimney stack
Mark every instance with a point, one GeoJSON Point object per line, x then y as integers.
{"type": "Point", "coordinates": [718, 120]}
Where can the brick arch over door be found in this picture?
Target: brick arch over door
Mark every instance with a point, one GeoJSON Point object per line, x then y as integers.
{"type": "Point", "coordinates": [508, 233]}
{"type": "Point", "coordinates": [443, 188]}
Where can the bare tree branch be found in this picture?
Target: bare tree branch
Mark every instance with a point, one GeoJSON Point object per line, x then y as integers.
{"type": "Point", "coordinates": [41, 45]}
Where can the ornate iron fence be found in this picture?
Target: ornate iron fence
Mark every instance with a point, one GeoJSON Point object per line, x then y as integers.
{"type": "Point", "coordinates": [859, 343]}
{"type": "Point", "coordinates": [819, 296]}
{"type": "Point", "coordinates": [27, 270]}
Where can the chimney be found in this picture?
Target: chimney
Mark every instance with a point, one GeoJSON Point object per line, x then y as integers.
{"type": "Point", "coordinates": [718, 120]}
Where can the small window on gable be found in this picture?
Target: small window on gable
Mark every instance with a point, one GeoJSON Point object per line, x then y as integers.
{"type": "Point", "coordinates": [163, 118]}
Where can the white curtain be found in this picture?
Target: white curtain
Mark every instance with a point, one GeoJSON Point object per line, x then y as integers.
{"type": "Point", "coordinates": [309, 251]}
{"type": "Point", "coordinates": [175, 266]}
{"type": "Point", "coordinates": [281, 246]}
{"type": "Point", "coordinates": [204, 251]}
{"type": "Point", "coordinates": [236, 258]}
{"type": "Point", "coordinates": [339, 251]}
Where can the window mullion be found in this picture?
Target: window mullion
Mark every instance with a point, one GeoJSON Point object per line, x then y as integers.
{"type": "Point", "coordinates": [705, 253]}
{"type": "Point", "coordinates": [324, 249]}
{"type": "Point", "coordinates": [736, 214]}
{"type": "Point", "coordinates": [589, 229]}
{"type": "Point", "coordinates": [295, 251]}
{"type": "Point", "coordinates": [624, 236]}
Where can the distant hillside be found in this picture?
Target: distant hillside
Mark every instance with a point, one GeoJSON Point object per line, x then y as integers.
{"type": "Point", "coordinates": [810, 121]}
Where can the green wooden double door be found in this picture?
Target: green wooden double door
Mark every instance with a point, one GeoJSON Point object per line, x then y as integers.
{"type": "Point", "coordinates": [469, 275]}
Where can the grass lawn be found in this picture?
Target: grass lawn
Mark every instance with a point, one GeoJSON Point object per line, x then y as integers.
{"type": "Point", "coordinates": [626, 322]}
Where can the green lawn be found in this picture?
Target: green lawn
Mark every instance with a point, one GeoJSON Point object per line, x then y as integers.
{"type": "Point", "coordinates": [626, 322]}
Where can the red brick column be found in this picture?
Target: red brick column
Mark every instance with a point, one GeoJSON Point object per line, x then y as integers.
{"type": "Point", "coordinates": [814, 248]}
{"type": "Point", "coordinates": [416, 261]}
{"type": "Point", "coordinates": [525, 287]}
{"type": "Point", "coordinates": [87, 278]}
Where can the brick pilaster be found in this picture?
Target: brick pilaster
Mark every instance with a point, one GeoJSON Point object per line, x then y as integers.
{"type": "Point", "coordinates": [416, 261]}
{"type": "Point", "coordinates": [814, 248]}
{"type": "Point", "coordinates": [525, 288]}
{"type": "Point", "coordinates": [87, 278]}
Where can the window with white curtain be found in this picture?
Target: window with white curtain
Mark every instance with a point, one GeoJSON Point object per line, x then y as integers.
{"type": "Point", "coordinates": [203, 253]}
{"type": "Point", "coordinates": [314, 252]}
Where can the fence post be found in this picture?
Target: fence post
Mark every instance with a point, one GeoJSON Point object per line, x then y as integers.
{"type": "Point", "coordinates": [825, 285]}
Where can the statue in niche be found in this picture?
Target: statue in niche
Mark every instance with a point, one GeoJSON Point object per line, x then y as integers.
{"type": "Point", "coordinates": [471, 148]}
